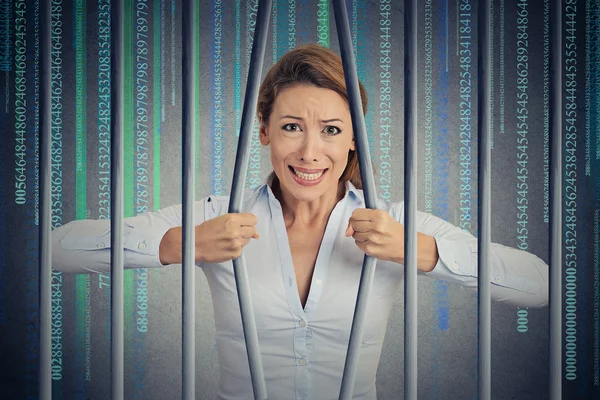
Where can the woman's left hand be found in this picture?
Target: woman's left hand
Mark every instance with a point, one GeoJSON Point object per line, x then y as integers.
{"type": "Point", "coordinates": [377, 234]}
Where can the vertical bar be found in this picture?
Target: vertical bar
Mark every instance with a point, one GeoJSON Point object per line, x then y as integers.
{"type": "Point", "coordinates": [189, 276]}
{"type": "Point", "coordinates": [237, 192]}
{"type": "Point", "coordinates": [410, 195]}
{"type": "Point", "coordinates": [366, 171]}
{"type": "Point", "coordinates": [45, 383]}
{"type": "Point", "coordinates": [555, 227]}
{"type": "Point", "coordinates": [484, 337]}
{"type": "Point", "coordinates": [116, 205]}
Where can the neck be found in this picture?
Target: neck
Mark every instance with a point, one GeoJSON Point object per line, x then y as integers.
{"type": "Point", "coordinates": [306, 214]}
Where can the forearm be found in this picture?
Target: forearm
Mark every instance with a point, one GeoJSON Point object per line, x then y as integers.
{"type": "Point", "coordinates": [427, 253]}
{"type": "Point", "coordinates": [517, 277]}
{"type": "Point", "coordinates": [84, 246]}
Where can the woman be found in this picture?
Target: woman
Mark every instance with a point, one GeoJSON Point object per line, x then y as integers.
{"type": "Point", "coordinates": [304, 234]}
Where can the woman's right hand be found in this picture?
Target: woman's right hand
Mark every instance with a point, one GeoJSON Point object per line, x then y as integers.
{"type": "Point", "coordinates": [217, 240]}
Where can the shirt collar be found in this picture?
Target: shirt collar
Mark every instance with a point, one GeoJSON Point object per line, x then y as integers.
{"type": "Point", "coordinates": [350, 188]}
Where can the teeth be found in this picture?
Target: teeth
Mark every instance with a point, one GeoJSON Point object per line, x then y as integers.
{"type": "Point", "coordinates": [308, 177]}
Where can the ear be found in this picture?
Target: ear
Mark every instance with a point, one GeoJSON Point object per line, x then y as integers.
{"type": "Point", "coordinates": [263, 133]}
{"type": "Point", "coordinates": [353, 145]}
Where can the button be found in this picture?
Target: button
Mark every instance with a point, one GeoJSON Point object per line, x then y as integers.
{"type": "Point", "coordinates": [302, 323]}
{"type": "Point", "coordinates": [498, 279]}
{"type": "Point", "coordinates": [302, 361]}
{"type": "Point", "coordinates": [454, 266]}
{"type": "Point", "coordinates": [101, 245]}
{"type": "Point", "coordinates": [142, 245]}
{"type": "Point", "coordinates": [318, 282]}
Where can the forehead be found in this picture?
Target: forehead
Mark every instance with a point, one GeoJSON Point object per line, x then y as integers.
{"type": "Point", "coordinates": [303, 98]}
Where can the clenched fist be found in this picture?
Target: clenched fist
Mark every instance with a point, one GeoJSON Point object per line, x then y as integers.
{"type": "Point", "coordinates": [217, 240]}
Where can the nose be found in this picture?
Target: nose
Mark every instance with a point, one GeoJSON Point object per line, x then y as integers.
{"type": "Point", "coordinates": [310, 147]}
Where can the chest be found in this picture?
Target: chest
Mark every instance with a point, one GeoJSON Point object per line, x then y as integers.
{"type": "Point", "coordinates": [304, 247]}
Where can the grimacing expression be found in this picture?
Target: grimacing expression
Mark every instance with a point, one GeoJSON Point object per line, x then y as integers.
{"type": "Point", "coordinates": [309, 133]}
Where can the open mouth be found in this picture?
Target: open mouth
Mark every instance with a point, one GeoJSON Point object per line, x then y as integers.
{"type": "Point", "coordinates": [307, 176]}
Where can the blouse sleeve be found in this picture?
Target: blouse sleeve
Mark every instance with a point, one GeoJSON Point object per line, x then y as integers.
{"type": "Point", "coordinates": [517, 277]}
{"type": "Point", "coordinates": [83, 246]}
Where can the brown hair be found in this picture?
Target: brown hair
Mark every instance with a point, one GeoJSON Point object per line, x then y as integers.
{"type": "Point", "coordinates": [314, 65]}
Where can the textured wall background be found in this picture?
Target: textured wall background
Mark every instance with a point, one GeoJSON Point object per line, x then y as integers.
{"type": "Point", "coordinates": [447, 169]}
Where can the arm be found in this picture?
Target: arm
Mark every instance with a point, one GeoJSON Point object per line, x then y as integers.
{"type": "Point", "coordinates": [83, 246]}
{"type": "Point", "coordinates": [517, 277]}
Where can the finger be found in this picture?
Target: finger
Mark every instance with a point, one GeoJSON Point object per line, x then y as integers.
{"type": "Point", "coordinates": [362, 226]}
{"type": "Point", "coordinates": [248, 232]}
{"type": "Point", "coordinates": [363, 214]}
{"type": "Point", "coordinates": [248, 219]}
{"type": "Point", "coordinates": [361, 237]}
{"type": "Point", "coordinates": [349, 230]}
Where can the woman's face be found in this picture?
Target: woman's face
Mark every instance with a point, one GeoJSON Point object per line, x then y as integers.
{"type": "Point", "coordinates": [310, 134]}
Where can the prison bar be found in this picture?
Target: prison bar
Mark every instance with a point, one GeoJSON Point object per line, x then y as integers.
{"type": "Point", "coordinates": [410, 196]}
{"type": "Point", "coordinates": [484, 317]}
{"type": "Point", "coordinates": [555, 226]}
{"type": "Point", "coordinates": [366, 173]}
{"type": "Point", "coordinates": [188, 193]}
{"type": "Point", "coordinates": [237, 192]}
{"type": "Point", "coordinates": [117, 250]}
{"type": "Point", "coordinates": [45, 250]}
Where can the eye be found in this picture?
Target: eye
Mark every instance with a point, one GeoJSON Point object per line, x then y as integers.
{"type": "Point", "coordinates": [291, 127]}
{"type": "Point", "coordinates": [333, 130]}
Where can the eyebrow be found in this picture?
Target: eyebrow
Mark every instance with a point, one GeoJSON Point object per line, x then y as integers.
{"type": "Point", "coordinates": [323, 120]}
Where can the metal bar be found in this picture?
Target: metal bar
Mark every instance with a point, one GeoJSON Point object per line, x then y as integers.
{"type": "Point", "coordinates": [116, 205]}
{"type": "Point", "coordinates": [484, 204]}
{"type": "Point", "coordinates": [366, 171]}
{"type": "Point", "coordinates": [45, 339]}
{"type": "Point", "coordinates": [189, 275]}
{"type": "Point", "coordinates": [237, 193]}
{"type": "Point", "coordinates": [555, 289]}
{"type": "Point", "coordinates": [410, 196]}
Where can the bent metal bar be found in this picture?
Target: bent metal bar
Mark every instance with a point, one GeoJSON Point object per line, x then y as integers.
{"type": "Point", "coordinates": [236, 198]}
{"type": "Point", "coordinates": [366, 173]}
